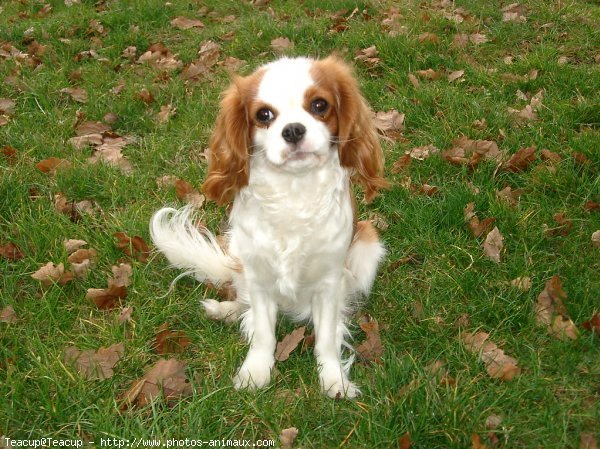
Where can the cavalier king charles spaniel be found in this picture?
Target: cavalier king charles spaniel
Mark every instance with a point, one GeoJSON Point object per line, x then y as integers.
{"type": "Point", "coordinates": [290, 141]}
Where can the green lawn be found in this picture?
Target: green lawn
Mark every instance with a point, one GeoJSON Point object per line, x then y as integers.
{"type": "Point", "coordinates": [424, 305]}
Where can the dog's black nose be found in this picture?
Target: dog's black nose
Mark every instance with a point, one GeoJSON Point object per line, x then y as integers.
{"type": "Point", "coordinates": [293, 132]}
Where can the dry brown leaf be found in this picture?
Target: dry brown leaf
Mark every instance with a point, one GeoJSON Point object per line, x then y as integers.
{"type": "Point", "coordinates": [428, 37]}
{"type": "Point", "coordinates": [552, 313]}
{"type": "Point", "coordinates": [50, 274]}
{"type": "Point", "coordinates": [109, 298]}
{"type": "Point", "coordinates": [498, 365]}
{"type": "Point", "coordinates": [478, 38]}
{"type": "Point", "coordinates": [471, 152]}
{"type": "Point", "coordinates": [404, 441]}
{"type": "Point", "coordinates": [492, 247]}
{"type": "Point", "coordinates": [187, 193]}
{"type": "Point", "coordinates": [8, 315]}
{"type": "Point", "coordinates": [166, 377]}
{"type": "Point", "coordinates": [478, 228]}
{"type": "Point", "coordinates": [509, 195]}
{"type": "Point", "coordinates": [514, 13]}
{"type": "Point", "coordinates": [167, 341]}
{"type": "Point", "coordinates": [165, 113]}
{"type": "Point", "coordinates": [7, 106]}
{"type": "Point", "coordinates": [281, 45]}
{"type": "Point", "coordinates": [423, 152]}
{"type": "Point", "coordinates": [95, 364]}
{"type": "Point", "coordinates": [368, 55]}
{"type": "Point", "coordinates": [287, 437]}
{"type": "Point", "coordinates": [476, 442]}
{"type": "Point", "coordinates": [77, 93]}
{"type": "Point", "coordinates": [453, 76]}
{"type": "Point", "coordinates": [414, 80]}
{"type": "Point", "coordinates": [288, 344]}
{"type": "Point", "coordinates": [520, 161]}
{"type": "Point", "coordinates": [160, 57]}
{"type": "Point", "coordinates": [402, 163]}
{"type": "Point", "coordinates": [371, 349]}
{"type": "Point", "coordinates": [388, 123]}
{"type": "Point", "coordinates": [429, 74]}
{"type": "Point", "coordinates": [522, 283]}
{"type": "Point", "coordinates": [184, 23]}
{"type": "Point", "coordinates": [52, 164]}
{"type": "Point", "coordinates": [133, 246]}
{"type": "Point", "coordinates": [596, 239]}
{"type": "Point", "coordinates": [587, 440]}
{"type": "Point", "coordinates": [209, 53]}
{"type": "Point", "coordinates": [81, 261]}
{"type": "Point", "coordinates": [11, 251]}
{"type": "Point", "coordinates": [72, 245]}
{"type": "Point", "coordinates": [125, 315]}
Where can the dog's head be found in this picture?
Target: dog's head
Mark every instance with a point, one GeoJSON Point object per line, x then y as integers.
{"type": "Point", "coordinates": [294, 113]}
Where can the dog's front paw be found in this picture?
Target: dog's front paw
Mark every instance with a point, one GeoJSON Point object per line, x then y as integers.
{"type": "Point", "coordinates": [254, 373]}
{"type": "Point", "coordinates": [338, 386]}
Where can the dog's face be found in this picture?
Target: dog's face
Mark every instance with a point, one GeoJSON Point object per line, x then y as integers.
{"type": "Point", "coordinates": [295, 121]}
{"type": "Point", "coordinates": [295, 113]}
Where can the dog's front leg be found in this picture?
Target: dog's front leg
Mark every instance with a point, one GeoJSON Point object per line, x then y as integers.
{"type": "Point", "coordinates": [329, 326]}
{"type": "Point", "coordinates": [258, 324]}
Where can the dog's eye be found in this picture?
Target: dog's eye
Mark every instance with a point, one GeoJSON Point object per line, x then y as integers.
{"type": "Point", "coordinates": [319, 106]}
{"type": "Point", "coordinates": [264, 115]}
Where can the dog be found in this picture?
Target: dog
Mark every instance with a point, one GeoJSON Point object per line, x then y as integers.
{"type": "Point", "coordinates": [290, 141]}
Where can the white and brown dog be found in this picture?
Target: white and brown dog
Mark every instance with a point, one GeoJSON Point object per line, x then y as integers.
{"type": "Point", "coordinates": [289, 141]}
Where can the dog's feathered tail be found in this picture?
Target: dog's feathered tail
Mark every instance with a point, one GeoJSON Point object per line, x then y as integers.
{"type": "Point", "coordinates": [193, 249]}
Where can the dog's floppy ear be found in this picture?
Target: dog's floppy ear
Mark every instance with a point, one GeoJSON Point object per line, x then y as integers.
{"type": "Point", "coordinates": [228, 164]}
{"type": "Point", "coordinates": [358, 142]}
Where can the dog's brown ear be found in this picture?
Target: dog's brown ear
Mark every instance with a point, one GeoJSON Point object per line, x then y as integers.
{"type": "Point", "coordinates": [228, 164]}
{"type": "Point", "coordinates": [357, 137]}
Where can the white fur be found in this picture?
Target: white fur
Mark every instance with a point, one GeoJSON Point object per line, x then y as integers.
{"type": "Point", "coordinates": [291, 230]}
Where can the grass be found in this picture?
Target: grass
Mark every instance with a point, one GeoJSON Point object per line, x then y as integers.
{"type": "Point", "coordinates": [549, 405]}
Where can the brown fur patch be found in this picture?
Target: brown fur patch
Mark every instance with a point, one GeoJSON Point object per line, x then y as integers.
{"type": "Point", "coordinates": [366, 232]}
{"type": "Point", "coordinates": [358, 141]}
{"type": "Point", "coordinates": [228, 165]}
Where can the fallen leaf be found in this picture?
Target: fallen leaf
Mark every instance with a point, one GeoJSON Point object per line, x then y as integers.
{"type": "Point", "coordinates": [77, 93]}
{"type": "Point", "coordinates": [478, 228]}
{"type": "Point", "coordinates": [11, 251]}
{"type": "Point", "coordinates": [72, 245]}
{"type": "Point", "coordinates": [478, 38]}
{"type": "Point", "coordinates": [160, 57]}
{"type": "Point", "coordinates": [133, 246]}
{"type": "Point", "coordinates": [423, 152]}
{"type": "Point", "coordinates": [125, 315]}
{"type": "Point", "coordinates": [593, 324]}
{"type": "Point", "coordinates": [281, 45]}
{"type": "Point", "coordinates": [522, 283]}
{"type": "Point", "coordinates": [414, 80]}
{"type": "Point", "coordinates": [368, 55]}
{"type": "Point", "coordinates": [165, 114]}
{"type": "Point", "coordinates": [453, 76]}
{"type": "Point", "coordinates": [402, 163]}
{"type": "Point", "coordinates": [167, 341]}
{"type": "Point", "coordinates": [166, 377]}
{"type": "Point", "coordinates": [587, 440]}
{"type": "Point", "coordinates": [429, 74]}
{"type": "Point", "coordinates": [183, 23]}
{"type": "Point", "coordinates": [471, 152]}
{"type": "Point", "coordinates": [95, 364]}
{"type": "Point", "coordinates": [371, 349]}
{"type": "Point", "coordinates": [476, 442]}
{"type": "Point", "coordinates": [287, 437]}
{"type": "Point", "coordinates": [514, 13]}
{"type": "Point", "coordinates": [520, 161]}
{"type": "Point", "coordinates": [509, 195]}
{"type": "Point", "coordinates": [50, 274]}
{"type": "Point", "coordinates": [404, 441]}
{"type": "Point", "coordinates": [52, 164]}
{"type": "Point", "coordinates": [428, 37]}
{"type": "Point", "coordinates": [8, 315]}
{"type": "Point", "coordinates": [596, 239]}
{"type": "Point", "coordinates": [289, 344]}
{"type": "Point", "coordinates": [187, 193]}
{"type": "Point", "coordinates": [388, 123]}
{"type": "Point", "coordinates": [108, 298]}
{"type": "Point", "coordinates": [493, 245]}
{"type": "Point", "coordinates": [552, 313]}
{"type": "Point", "coordinates": [498, 364]}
